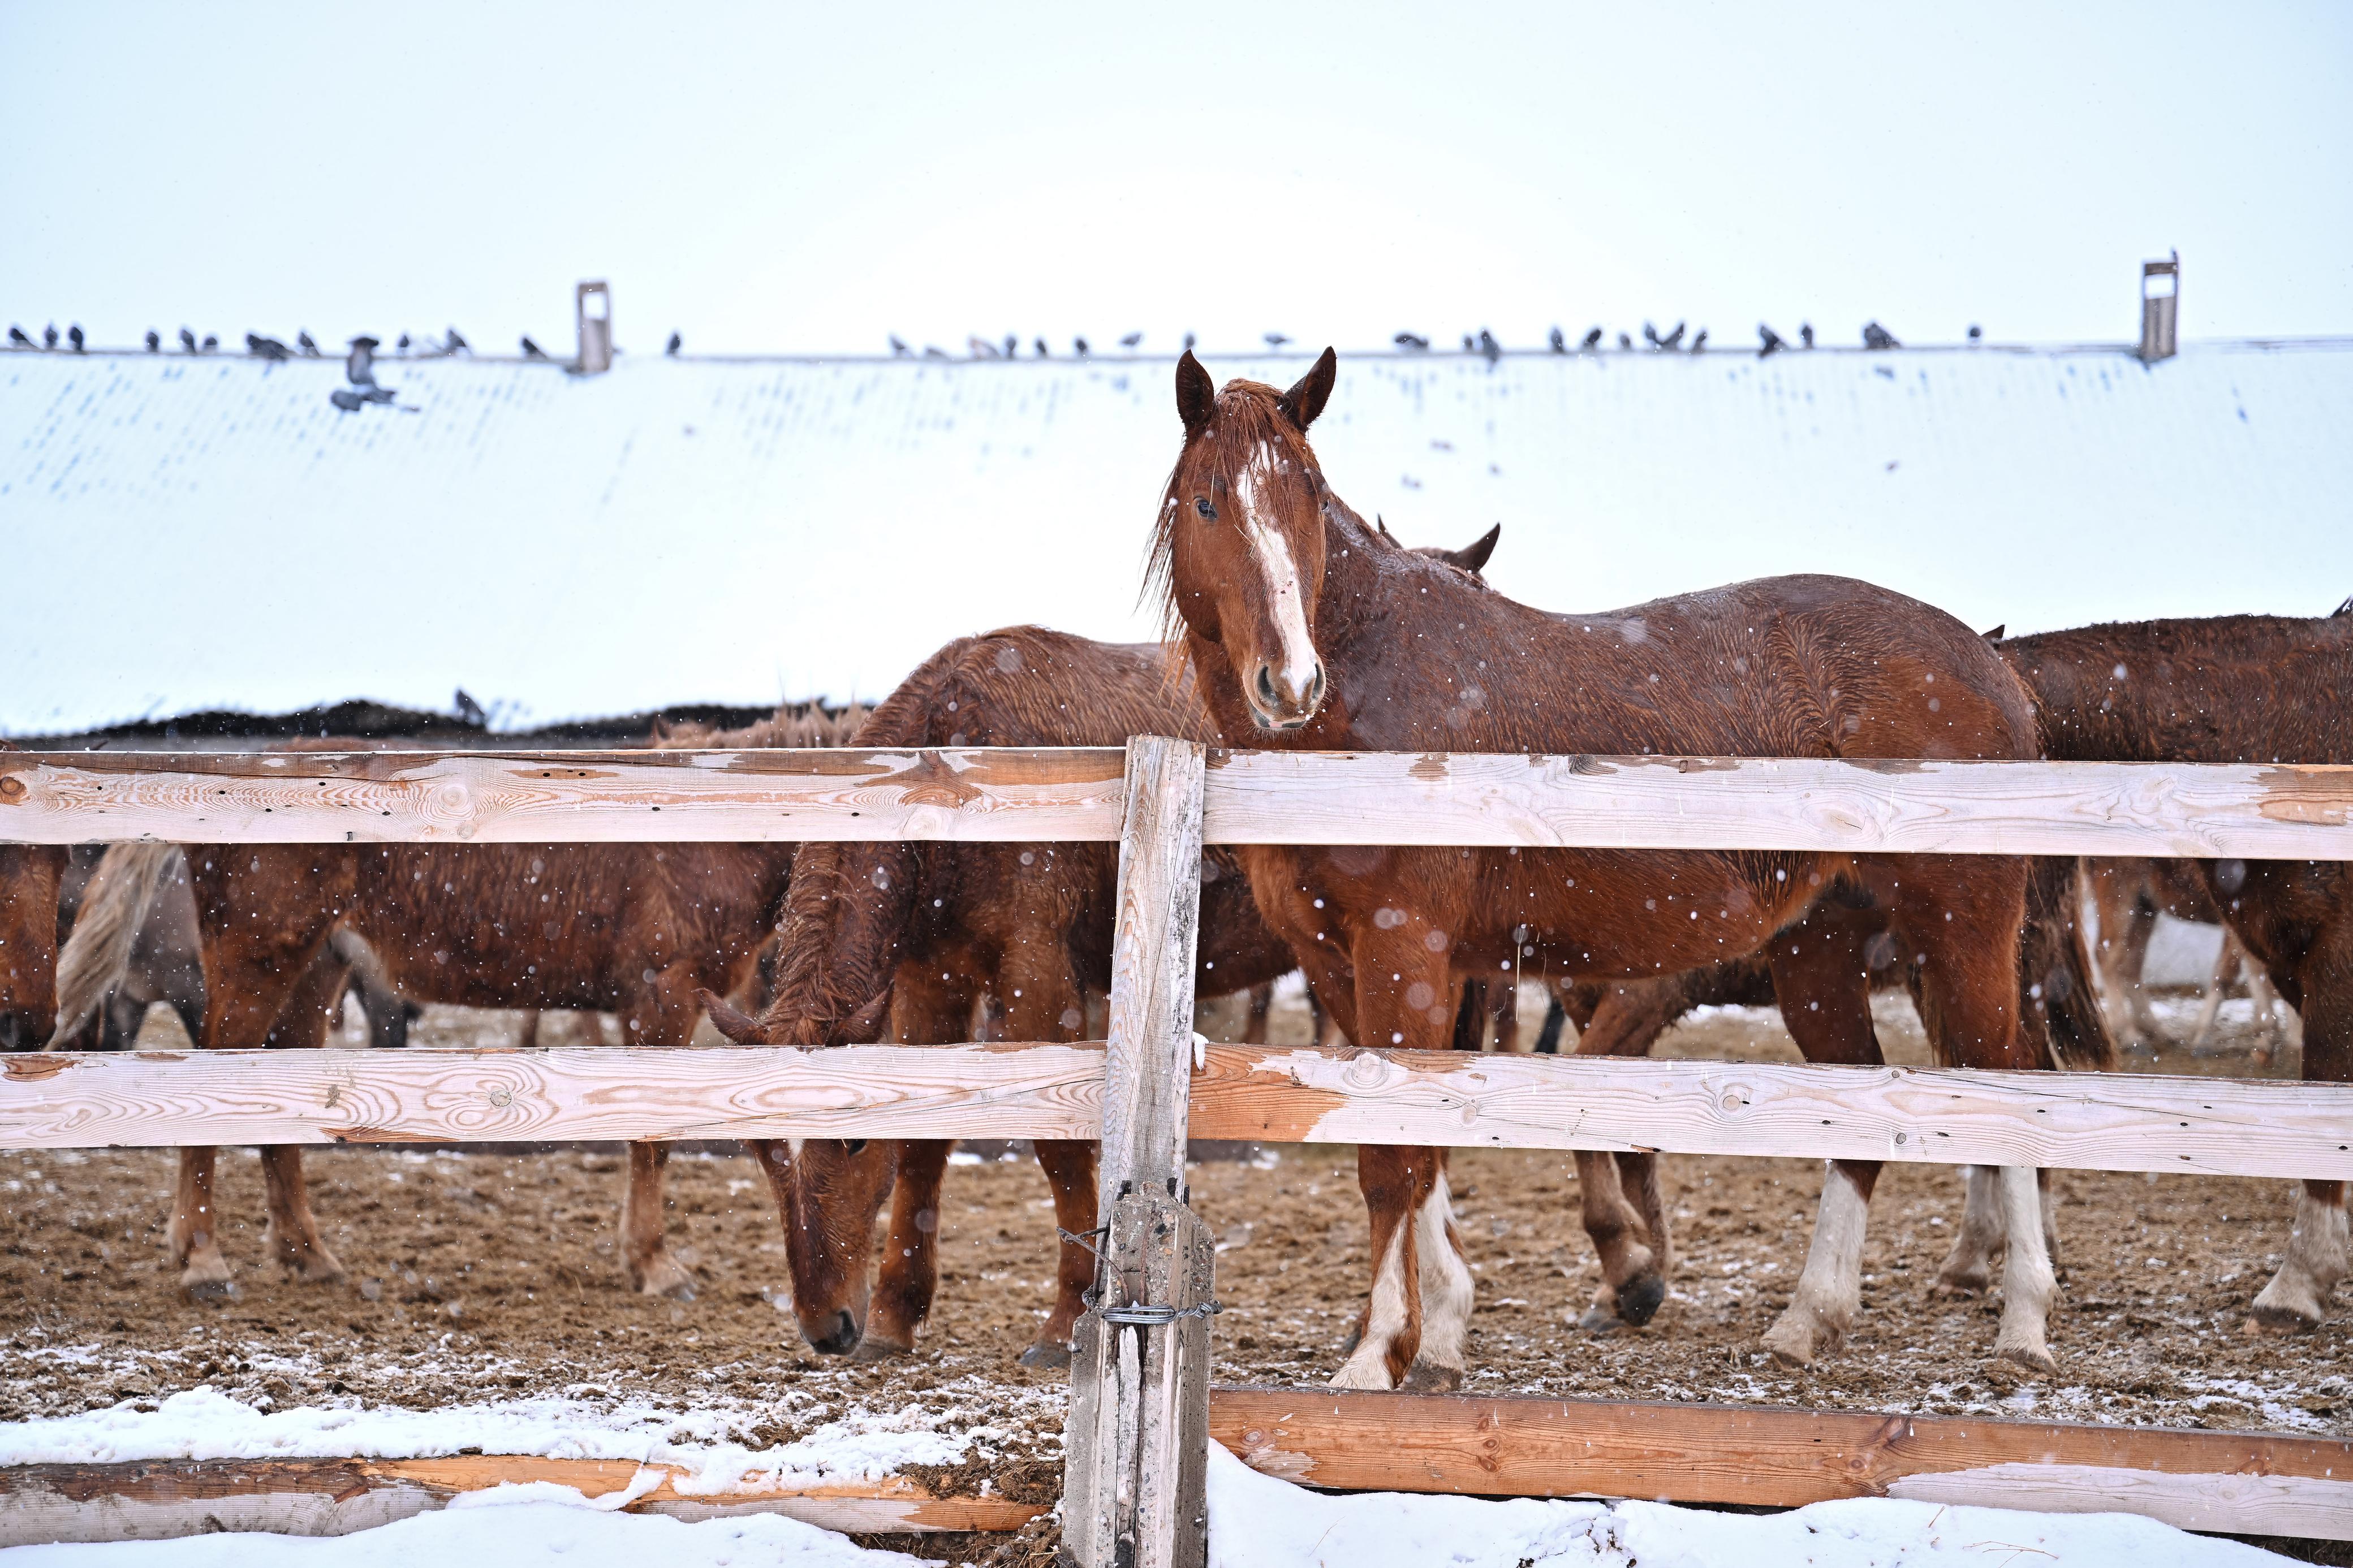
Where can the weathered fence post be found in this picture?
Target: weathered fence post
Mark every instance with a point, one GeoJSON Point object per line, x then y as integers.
{"type": "Point", "coordinates": [1136, 1448]}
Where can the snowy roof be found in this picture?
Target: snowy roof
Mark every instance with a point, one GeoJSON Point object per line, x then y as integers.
{"type": "Point", "coordinates": [189, 532]}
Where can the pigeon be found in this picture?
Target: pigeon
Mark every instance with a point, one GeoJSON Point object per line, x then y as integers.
{"type": "Point", "coordinates": [1012, 346]}
{"type": "Point", "coordinates": [212, 343]}
{"type": "Point", "coordinates": [1188, 342]}
{"type": "Point", "coordinates": [1468, 343]}
{"type": "Point", "coordinates": [899, 350]}
{"type": "Point", "coordinates": [532, 350]}
{"type": "Point", "coordinates": [1559, 343]}
{"type": "Point", "coordinates": [933, 350]}
{"type": "Point", "coordinates": [16, 338]}
{"type": "Point", "coordinates": [350, 402]}
{"type": "Point", "coordinates": [1489, 346]}
{"type": "Point", "coordinates": [1805, 333]}
{"type": "Point", "coordinates": [73, 336]}
{"type": "Point", "coordinates": [307, 343]}
{"type": "Point", "coordinates": [359, 367]}
{"type": "Point", "coordinates": [1674, 338]}
{"type": "Point", "coordinates": [1275, 340]}
{"type": "Point", "coordinates": [454, 344]}
{"type": "Point", "coordinates": [471, 713]}
{"type": "Point", "coordinates": [675, 343]}
{"type": "Point", "coordinates": [402, 347]}
{"type": "Point", "coordinates": [154, 341]}
{"type": "Point", "coordinates": [1700, 341]}
{"type": "Point", "coordinates": [49, 336]}
{"type": "Point", "coordinates": [187, 340]}
{"type": "Point", "coordinates": [1650, 335]}
{"type": "Point", "coordinates": [1130, 341]}
{"type": "Point", "coordinates": [1413, 342]}
{"type": "Point", "coordinates": [980, 348]}
{"type": "Point", "coordinates": [1624, 341]}
{"type": "Point", "coordinates": [1770, 339]}
{"type": "Point", "coordinates": [1043, 352]}
{"type": "Point", "coordinates": [269, 349]}
{"type": "Point", "coordinates": [1875, 336]}
{"type": "Point", "coordinates": [1593, 341]}
{"type": "Point", "coordinates": [1079, 347]}
{"type": "Point", "coordinates": [1977, 333]}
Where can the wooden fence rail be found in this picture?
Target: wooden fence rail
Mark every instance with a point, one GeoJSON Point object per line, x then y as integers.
{"type": "Point", "coordinates": [2097, 1121]}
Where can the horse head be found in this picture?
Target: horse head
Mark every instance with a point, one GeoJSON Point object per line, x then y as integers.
{"type": "Point", "coordinates": [1241, 534]}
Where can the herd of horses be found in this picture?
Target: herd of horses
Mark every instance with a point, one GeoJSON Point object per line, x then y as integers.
{"type": "Point", "coordinates": [1291, 623]}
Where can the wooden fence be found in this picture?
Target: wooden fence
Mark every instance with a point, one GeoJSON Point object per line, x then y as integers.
{"type": "Point", "coordinates": [1142, 1412]}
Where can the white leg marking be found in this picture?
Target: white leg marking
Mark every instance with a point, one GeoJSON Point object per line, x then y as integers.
{"type": "Point", "coordinates": [2028, 1285]}
{"type": "Point", "coordinates": [1368, 1367]}
{"type": "Point", "coordinates": [1447, 1289]}
{"type": "Point", "coordinates": [1831, 1288]}
{"type": "Point", "coordinates": [1968, 1268]}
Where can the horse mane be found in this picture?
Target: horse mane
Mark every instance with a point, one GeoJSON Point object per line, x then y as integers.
{"type": "Point", "coordinates": [1250, 416]}
{"type": "Point", "coordinates": [793, 726]}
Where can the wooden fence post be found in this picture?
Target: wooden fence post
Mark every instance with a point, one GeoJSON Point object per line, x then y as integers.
{"type": "Point", "coordinates": [1135, 1447]}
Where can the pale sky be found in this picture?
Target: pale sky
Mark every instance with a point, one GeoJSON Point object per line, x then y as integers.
{"type": "Point", "coordinates": [806, 179]}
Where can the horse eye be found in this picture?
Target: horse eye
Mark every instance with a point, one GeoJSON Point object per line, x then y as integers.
{"type": "Point", "coordinates": [1201, 504]}
{"type": "Point", "coordinates": [854, 1146]}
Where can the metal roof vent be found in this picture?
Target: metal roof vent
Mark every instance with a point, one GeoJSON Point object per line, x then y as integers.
{"type": "Point", "coordinates": [592, 305]}
{"type": "Point", "coordinates": [2160, 299]}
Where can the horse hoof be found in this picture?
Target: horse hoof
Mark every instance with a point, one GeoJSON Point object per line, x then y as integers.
{"type": "Point", "coordinates": [671, 1281]}
{"type": "Point", "coordinates": [1046, 1356]}
{"type": "Point", "coordinates": [1640, 1297]}
{"type": "Point", "coordinates": [209, 1292]}
{"type": "Point", "coordinates": [2032, 1358]}
{"type": "Point", "coordinates": [2267, 1319]}
{"type": "Point", "coordinates": [1597, 1320]}
{"type": "Point", "coordinates": [1963, 1282]}
{"type": "Point", "coordinates": [1795, 1340]}
{"type": "Point", "coordinates": [874, 1349]}
{"type": "Point", "coordinates": [1428, 1377]}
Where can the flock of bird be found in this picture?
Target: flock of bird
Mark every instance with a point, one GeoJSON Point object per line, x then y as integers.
{"type": "Point", "coordinates": [260, 346]}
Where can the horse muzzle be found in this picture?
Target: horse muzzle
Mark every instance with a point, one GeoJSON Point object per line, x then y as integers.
{"type": "Point", "coordinates": [1280, 703]}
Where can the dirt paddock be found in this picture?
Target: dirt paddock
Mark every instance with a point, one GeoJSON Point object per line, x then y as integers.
{"type": "Point", "coordinates": [481, 1275]}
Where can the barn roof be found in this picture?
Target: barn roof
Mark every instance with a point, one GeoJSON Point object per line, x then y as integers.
{"type": "Point", "coordinates": [183, 533]}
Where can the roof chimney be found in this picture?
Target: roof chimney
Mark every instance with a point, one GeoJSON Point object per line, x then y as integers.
{"type": "Point", "coordinates": [592, 305]}
{"type": "Point", "coordinates": [2160, 300]}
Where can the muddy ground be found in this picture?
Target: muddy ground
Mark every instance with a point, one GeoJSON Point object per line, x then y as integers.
{"type": "Point", "coordinates": [474, 1277]}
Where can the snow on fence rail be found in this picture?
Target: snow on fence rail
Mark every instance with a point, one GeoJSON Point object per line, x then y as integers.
{"type": "Point", "coordinates": [1141, 1414]}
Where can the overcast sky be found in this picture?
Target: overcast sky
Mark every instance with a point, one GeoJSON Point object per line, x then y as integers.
{"type": "Point", "coordinates": [811, 179]}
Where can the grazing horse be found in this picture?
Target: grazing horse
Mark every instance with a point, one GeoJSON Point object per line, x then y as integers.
{"type": "Point", "coordinates": [29, 879]}
{"type": "Point", "coordinates": [2237, 689]}
{"type": "Point", "coordinates": [1309, 631]}
{"type": "Point", "coordinates": [637, 929]}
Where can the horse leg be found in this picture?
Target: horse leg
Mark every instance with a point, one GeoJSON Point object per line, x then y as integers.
{"type": "Point", "coordinates": [1043, 1001]}
{"type": "Point", "coordinates": [910, 1275]}
{"type": "Point", "coordinates": [1446, 1287]}
{"type": "Point", "coordinates": [1395, 1180]}
{"type": "Point", "coordinates": [292, 1237]}
{"type": "Point", "coordinates": [1261, 1007]}
{"type": "Point", "coordinates": [662, 1014]}
{"type": "Point", "coordinates": [2298, 1295]}
{"type": "Point", "coordinates": [1625, 1021]}
{"type": "Point", "coordinates": [1504, 1006]}
{"type": "Point", "coordinates": [1818, 973]}
{"type": "Point", "coordinates": [1967, 1269]}
{"type": "Point", "coordinates": [2226, 969]}
{"type": "Point", "coordinates": [195, 1242]}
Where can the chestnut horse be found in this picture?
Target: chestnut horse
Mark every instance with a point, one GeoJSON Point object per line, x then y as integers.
{"type": "Point", "coordinates": [29, 879]}
{"type": "Point", "coordinates": [2237, 689]}
{"type": "Point", "coordinates": [1309, 631]}
{"type": "Point", "coordinates": [907, 938]}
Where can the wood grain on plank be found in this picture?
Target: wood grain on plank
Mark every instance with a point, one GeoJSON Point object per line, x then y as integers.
{"type": "Point", "coordinates": [543, 797]}
{"type": "Point", "coordinates": [2251, 811]}
{"type": "Point", "coordinates": [160, 1499]}
{"type": "Point", "coordinates": [2240, 1481]}
{"type": "Point", "coordinates": [2112, 1121]}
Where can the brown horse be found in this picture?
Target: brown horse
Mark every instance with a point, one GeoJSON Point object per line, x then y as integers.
{"type": "Point", "coordinates": [2129, 896]}
{"type": "Point", "coordinates": [1311, 631]}
{"type": "Point", "coordinates": [909, 938]}
{"type": "Point", "coordinates": [2237, 689]}
{"type": "Point", "coordinates": [30, 875]}
{"type": "Point", "coordinates": [637, 929]}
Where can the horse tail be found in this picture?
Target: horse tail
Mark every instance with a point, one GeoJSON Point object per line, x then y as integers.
{"type": "Point", "coordinates": [96, 955]}
{"type": "Point", "coordinates": [2060, 1002]}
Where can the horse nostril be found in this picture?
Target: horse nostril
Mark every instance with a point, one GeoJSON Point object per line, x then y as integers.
{"type": "Point", "coordinates": [841, 1341]}
{"type": "Point", "coordinates": [1316, 687]}
{"type": "Point", "coordinates": [1266, 687]}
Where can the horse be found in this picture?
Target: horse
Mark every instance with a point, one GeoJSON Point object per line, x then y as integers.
{"type": "Point", "coordinates": [30, 875]}
{"type": "Point", "coordinates": [907, 939]}
{"type": "Point", "coordinates": [2236, 688]}
{"type": "Point", "coordinates": [2128, 895]}
{"type": "Point", "coordinates": [639, 929]}
{"type": "Point", "coordinates": [1309, 631]}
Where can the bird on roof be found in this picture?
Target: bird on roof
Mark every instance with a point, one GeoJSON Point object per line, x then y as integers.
{"type": "Point", "coordinates": [212, 343]}
{"type": "Point", "coordinates": [1040, 346]}
{"type": "Point", "coordinates": [359, 366]}
{"type": "Point", "coordinates": [1130, 341]}
{"type": "Point", "coordinates": [307, 343]}
{"type": "Point", "coordinates": [1624, 341]}
{"type": "Point", "coordinates": [532, 350]}
{"type": "Point", "coordinates": [899, 350]}
{"type": "Point", "coordinates": [1700, 341]}
{"type": "Point", "coordinates": [1771, 339]}
{"type": "Point", "coordinates": [933, 350]}
{"type": "Point", "coordinates": [154, 341]}
{"type": "Point", "coordinates": [1674, 338]}
{"type": "Point", "coordinates": [345, 398]}
{"type": "Point", "coordinates": [1468, 343]}
{"type": "Point", "coordinates": [1489, 346]}
{"type": "Point", "coordinates": [1079, 347]}
{"type": "Point", "coordinates": [1012, 346]}
{"type": "Point", "coordinates": [269, 349]}
{"type": "Point", "coordinates": [981, 348]}
{"type": "Point", "coordinates": [73, 336]}
{"type": "Point", "coordinates": [675, 343]}
{"type": "Point", "coordinates": [1591, 340]}
{"type": "Point", "coordinates": [1275, 340]}
{"type": "Point", "coordinates": [1188, 342]}
{"type": "Point", "coordinates": [401, 346]}
{"type": "Point", "coordinates": [454, 344]}
{"type": "Point", "coordinates": [471, 711]}
{"type": "Point", "coordinates": [1805, 333]}
{"type": "Point", "coordinates": [1650, 335]}
{"type": "Point", "coordinates": [49, 336]}
{"type": "Point", "coordinates": [1977, 333]}
{"type": "Point", "coordinates": [1559, 343]}
{"type": "Point", "coordinates": [187, 340]}
{"type": "Point", "coordinates": [1413, 342]}
{"type": "Point", "coordinates": [16, 338]}
{"type": "Point", "coordinates": [1875, 336]}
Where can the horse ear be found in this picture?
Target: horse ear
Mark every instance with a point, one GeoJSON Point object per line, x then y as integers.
{"type": "Point", "coordinates": [1196, 395]}
{"type": "Point", "coordinates": [730, 1020]}
{"type": "Point", "coordinates": [1995, 635]}
{"type": "Point", "coordinates": [1473, 557]}
{"type": "Point", "coordinates": [1305, 400]}
{"type": "Point", "coordinates": [865, 1025]}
